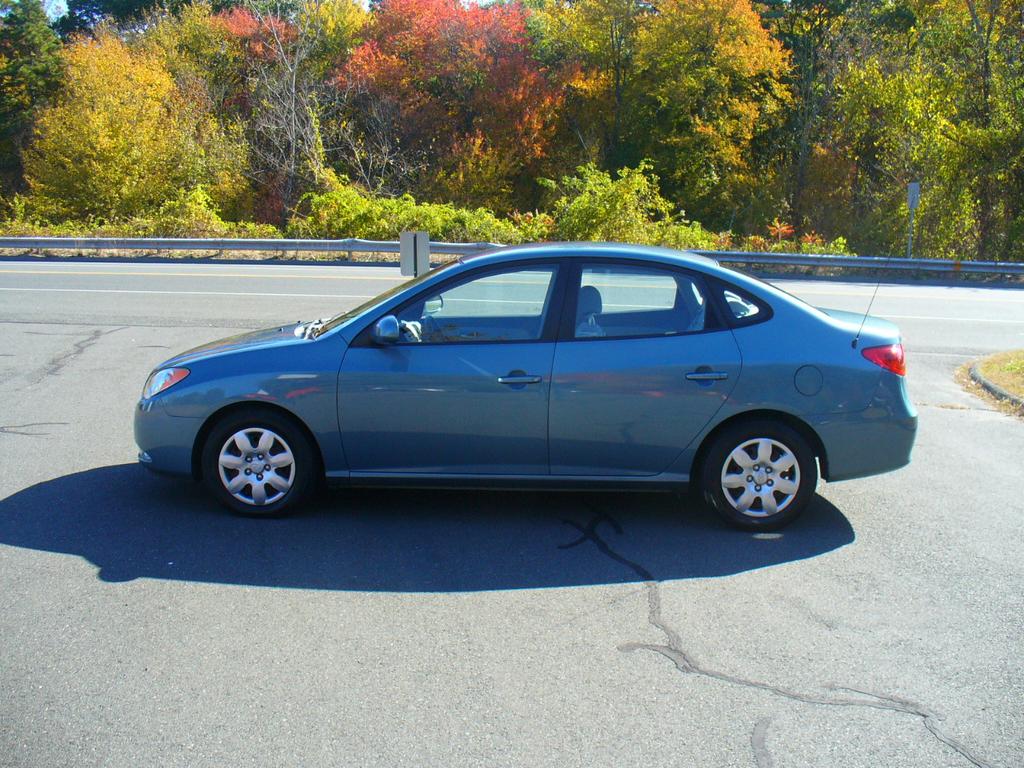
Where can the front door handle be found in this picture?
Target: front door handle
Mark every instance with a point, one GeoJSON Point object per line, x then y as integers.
{"type": "Point", "coordinates": [702, 374]}
{"type": "Point", "coordinates": [517, 377]}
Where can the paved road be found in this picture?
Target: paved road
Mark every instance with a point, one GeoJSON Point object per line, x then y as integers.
{"type": "Point", "coordinates": [141, 626]}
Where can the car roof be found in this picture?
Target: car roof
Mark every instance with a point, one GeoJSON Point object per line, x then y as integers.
{"type": "Point", "coordinates": [583, 250]}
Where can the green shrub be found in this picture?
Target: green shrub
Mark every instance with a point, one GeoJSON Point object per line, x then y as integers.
{"type": "Point", "coordinates": [191, 214]}
{"type": "Point", "coordinates": [838, 246]}
{"type": "Point", "coordinates": [534, 226]}
{"type": "Point", "coordinates": [627, 209]}
{"type": "Point", "coordinates": [254, 230]}
{"type": "Point", "coordinates": [690, 236]}
{"type": "Point", "coordinates": [348, 212]}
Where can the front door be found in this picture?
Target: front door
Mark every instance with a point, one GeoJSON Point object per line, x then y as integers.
{"type": "Point", "coordinates": [465, 391]}
{"type": "Point", "coordinates": [643, 367]}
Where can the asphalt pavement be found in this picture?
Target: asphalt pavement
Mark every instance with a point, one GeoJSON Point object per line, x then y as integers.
{"type": "Point", "coordinates": [141, 625]}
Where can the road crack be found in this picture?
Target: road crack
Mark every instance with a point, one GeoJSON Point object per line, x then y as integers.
{"type": "Point", "coordinates": [673, 649]}
{"type": "Point", "coordinates": [22, 429]}
{"type": "Point", "coordinates": [58, 363]}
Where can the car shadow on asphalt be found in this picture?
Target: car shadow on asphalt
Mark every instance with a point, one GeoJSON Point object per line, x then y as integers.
{"type": "Point", "coordinates": [131, 524]}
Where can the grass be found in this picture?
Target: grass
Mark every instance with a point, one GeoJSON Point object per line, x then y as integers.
{"type": "Point", "coordinates": [1006, 370]}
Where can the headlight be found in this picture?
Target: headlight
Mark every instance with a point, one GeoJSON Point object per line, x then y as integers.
{"type": "Point", "coordinates": [163, 379]}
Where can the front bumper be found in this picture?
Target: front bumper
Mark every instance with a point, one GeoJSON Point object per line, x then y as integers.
{"type": "Point", "coordinates": [165, 442]}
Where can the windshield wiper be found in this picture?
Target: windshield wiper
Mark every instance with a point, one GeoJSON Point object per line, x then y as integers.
{"type": "Point", "coordinates": [313, 328]}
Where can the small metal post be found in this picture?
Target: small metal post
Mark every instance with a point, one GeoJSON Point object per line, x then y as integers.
{"type": "Point", "coordinates": [415, 253]}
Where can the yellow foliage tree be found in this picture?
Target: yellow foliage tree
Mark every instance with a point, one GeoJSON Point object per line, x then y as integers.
{"type": "Point", "coordinates": [688, 84]}
{"type": "Point", "coordinates": [709, 79]}
{"type": "Point", "coordinates": [207, 64]}
{"type": "Point", "coordinates": [335, 26]}
{"type": "Point", "coordinates": [115, 143]}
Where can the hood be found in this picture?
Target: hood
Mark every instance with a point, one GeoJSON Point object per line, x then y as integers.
{"type": "Point", "coordinates": [268, 337]}
{"type": "Point", "coordinates": [875, 327]}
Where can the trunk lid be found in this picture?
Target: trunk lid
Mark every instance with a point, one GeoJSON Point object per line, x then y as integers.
{"type": "Point", "coordinates": [876, 329]}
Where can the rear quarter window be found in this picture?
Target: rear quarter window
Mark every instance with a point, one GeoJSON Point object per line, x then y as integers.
{"type": "Point", "coordinates": [740, 307]}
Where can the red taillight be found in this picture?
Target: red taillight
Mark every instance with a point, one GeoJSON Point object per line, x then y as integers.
{"type": "Point", "coordinates": [890, 357]}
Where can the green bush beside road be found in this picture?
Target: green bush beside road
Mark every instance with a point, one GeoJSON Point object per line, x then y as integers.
{"type": "Point", "coordinates": [590, 205]}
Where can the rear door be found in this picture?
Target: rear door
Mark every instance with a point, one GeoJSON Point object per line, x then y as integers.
{"type": "Point", "coordinates": [643, 362]}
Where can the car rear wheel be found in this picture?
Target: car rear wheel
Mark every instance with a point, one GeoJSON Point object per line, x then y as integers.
{"type": "Point", "coordinates": [258, 463]}
{"type": "Point", "coordinates": [759, 475]}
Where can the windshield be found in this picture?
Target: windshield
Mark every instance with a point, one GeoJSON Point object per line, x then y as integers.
{"type": "Point", "coordinates": [348, 314]}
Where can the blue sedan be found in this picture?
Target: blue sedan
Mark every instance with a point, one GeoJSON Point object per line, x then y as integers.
{"type": "Point", "coordinates": [561, 365]}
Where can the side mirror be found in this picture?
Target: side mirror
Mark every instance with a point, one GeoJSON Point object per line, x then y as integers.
{"type": "Point", "coordinates": [386, 330]}
{"type": "Point", "coordinates": [433, 306]}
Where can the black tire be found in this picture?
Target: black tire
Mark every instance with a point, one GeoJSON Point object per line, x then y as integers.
{"type": "Point", "coordinates": [719, 461]}
{"type": "Point", "coordinates": [302, 473]}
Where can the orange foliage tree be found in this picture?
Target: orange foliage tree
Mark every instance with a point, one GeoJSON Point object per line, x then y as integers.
{"type": "Point", "coordinates": [471, 100]}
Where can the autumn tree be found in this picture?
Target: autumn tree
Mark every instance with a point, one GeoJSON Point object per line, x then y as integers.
{"type": "Point", "coordinates": [293, 116]}
{"type": "Point", "coordinates": [690, 84]}
{"type": "Point", "coordinates": [595, 42]}
{"type": "Point", "coordinates": [814, 33]}
{"type": "Point", "coordinates": [83, 15]}
{"type": "Point", "coordinates": [469, 97]}
{"type": "Point", "coordinates": [205, 60]}
{"type": "Point", "coordinates": [708, 84]}
{"type": "Point", "coordinates": [940, 103]}
{"type": "Point", "coordinates": [984, 44]}
{"type": "Point", "coordinates": [30, 71]}
{"type": "Point", "coordinates": [201, 52]}
{"type": "Point", "coordinates": [117, 141]}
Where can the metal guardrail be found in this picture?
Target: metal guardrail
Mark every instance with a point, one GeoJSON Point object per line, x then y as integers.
{"type": "Point", "coordinates": [346, 245]}
{"type": "Point", "coordinates": [357, 245]}
{"type": "Point", "coordinates": [867, 262]}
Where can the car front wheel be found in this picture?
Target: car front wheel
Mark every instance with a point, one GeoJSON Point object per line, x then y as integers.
{"type": "Point", "coordinates": [759, 475]}
{"type": "Point", "coordinates": [258, 463]}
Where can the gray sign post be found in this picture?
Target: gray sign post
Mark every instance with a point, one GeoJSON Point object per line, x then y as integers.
{"type": "Point", "coordinates": [913, 198]}
{"type": "Point", "coordinates": [414, 249]}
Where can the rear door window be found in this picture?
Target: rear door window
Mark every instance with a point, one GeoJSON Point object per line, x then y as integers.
{"type": "Point", "coordinates": [618, 300]}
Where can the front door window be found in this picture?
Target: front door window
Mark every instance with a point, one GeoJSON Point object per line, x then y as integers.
{"type": "Point", "coordinates": [502, 306]}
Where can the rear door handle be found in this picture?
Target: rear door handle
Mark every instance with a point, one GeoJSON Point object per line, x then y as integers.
{"type": "Point", "coordinates": [516, 378]}
{"type": "Point", "coordinates": [707, 376]}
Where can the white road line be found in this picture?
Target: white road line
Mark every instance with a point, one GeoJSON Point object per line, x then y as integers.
{"type": "Point", "coordinates": [923, 292]}
{"type": "Point", "coordinates": [986, 297]}
{"type": "Point", "coordinates": [953, 319]}
{"type": "Point", "coordinates": [192, 293]}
